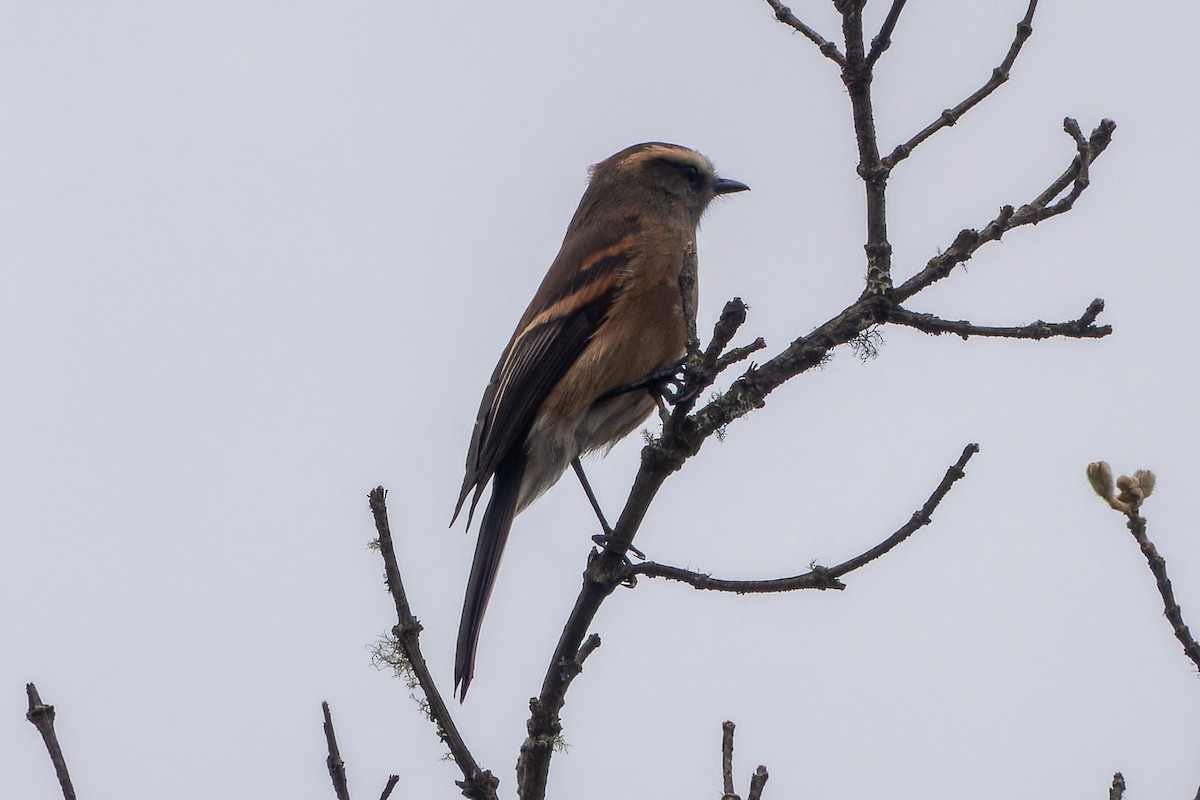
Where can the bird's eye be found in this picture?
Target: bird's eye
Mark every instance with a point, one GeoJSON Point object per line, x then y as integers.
{"type": "Point", "coordinates": [691, 172]}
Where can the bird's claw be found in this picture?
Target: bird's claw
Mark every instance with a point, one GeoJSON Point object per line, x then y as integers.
{"type": "Point", "coordinates": [669, 383]}
{"type": "Point", "coordinates": [602, 540]}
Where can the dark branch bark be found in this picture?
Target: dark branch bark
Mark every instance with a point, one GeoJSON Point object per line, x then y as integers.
{"type": "Point", "coordinates": [42, 717]}
{"type": "Point", "coordinates": [543, 727]}
{"type": "Point", "coordinates": [477, 783]}
{"type": "Point", "coordinates": [856, 75]}
{"type": "Point", "coordinates": [883, 40]}
{"type": "Point", "coordinates": [1158, 567]}
{"type": "Point", "coordinates": [819, 577]}
{"type": "Point", "coordinates": [337, 767]}
{"type": "Point", "coordinates": [827, 48]}
{"type": "Point", "coordinates": [757, 781]}
{"type": "Point", "coordinates": [952, 115]}
{"type": "Point", "coordinates": [1082, 328]}
{"type": "Point", "coordinates": [391, 784]}
{"type": "Point", "coordinates": [1117, 791]}
{"type": "Point", "coordinates": [1039, 209]}
{"type": "Point", "coordinates": [727, 760]}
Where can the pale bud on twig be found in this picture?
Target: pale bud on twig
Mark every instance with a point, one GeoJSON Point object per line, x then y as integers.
{"type": "Point", "coordinates": [1124, 494]}
{"type": "Point", "coordinates": [1146, 480]}
{"type": "Point", "coordinates": [1128, 491]}
{"type": "Point", "coordinates": [1099, 475]}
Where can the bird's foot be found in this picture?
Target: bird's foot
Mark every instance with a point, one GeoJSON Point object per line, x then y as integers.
{"type": "Point", "coordinates": [602, 540]}
{"type": "Point", "coordinates": [668, 383]}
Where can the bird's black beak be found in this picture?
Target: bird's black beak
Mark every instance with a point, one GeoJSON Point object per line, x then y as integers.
{"type": "Point", "coordinates": [728, 186]}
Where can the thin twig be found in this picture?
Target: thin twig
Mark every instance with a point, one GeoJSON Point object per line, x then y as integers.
{"type": "Point", "coordinates": [818, 577]}
{"type": "Point", "coordinates": [1118, 788]}
{"type": "Point", "coordinates": [337, 767]}
{"type": "Point", "coordinates": [1076, 176]}
{"type": "Point", "coordinates": [737, 354]}
{"type": "Point", "coordinates": [757, 781]}
{"type": "Point", "coordinates": [42, 717]}
{"type": "Point", "coordinates": [1158, 566]}
{"type": "Point", "coordinates": [391, 784]}
{"type": "Point", "coordinates": [1082, 328]}
{"type": "Point", "coordinates": [1039, 209]}
{"type": "Point", "coordinates": [952, 115]}
{"type": "Point", "coordinates": [703, 367]}
{"type": "Point", "coordinates": [883, 40]}
{"type": "Point", "coordinates": [727, 728]}
{"type": "Point", "coordinates": [477, 783]}
{"type": "Point", "coordinates": [827, 48]}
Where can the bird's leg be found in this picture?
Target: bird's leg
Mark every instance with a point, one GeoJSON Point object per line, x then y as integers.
{"type": "Point", "coordinates": [666, 383]}
{"type": "Point", "coordinates": [603, 538]}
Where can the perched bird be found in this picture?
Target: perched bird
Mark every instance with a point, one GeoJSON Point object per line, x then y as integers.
{"type": "Point", "coordinates": [608, 314]}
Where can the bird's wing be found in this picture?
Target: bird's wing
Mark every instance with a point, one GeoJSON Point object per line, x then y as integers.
{"type": "Point", "coordinates": [568, 309]}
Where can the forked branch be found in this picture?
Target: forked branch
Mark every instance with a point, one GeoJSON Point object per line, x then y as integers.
{"type": "Point", "coordinates": [757, 781]}
{"type": "Point", "coordinates": [1041, 208]}
{"type": "Point", "coordinates": [827, 48]}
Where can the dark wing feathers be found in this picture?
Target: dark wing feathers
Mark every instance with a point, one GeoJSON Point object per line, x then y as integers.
{"type": "Point", "coordinates": [535, 365]}
{"type": "Point", "coordinates": [540, 353]}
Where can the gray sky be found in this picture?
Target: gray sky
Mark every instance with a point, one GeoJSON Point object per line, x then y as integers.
{"type": "Point", "coordinates": [258, 258]}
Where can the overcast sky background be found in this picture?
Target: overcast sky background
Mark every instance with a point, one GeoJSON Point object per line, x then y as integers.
{"type": "Point", "coordinates": [258, 258]}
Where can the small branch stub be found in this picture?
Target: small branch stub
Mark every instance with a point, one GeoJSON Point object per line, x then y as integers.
{"type": "Point", "coordinates": [41, 715]}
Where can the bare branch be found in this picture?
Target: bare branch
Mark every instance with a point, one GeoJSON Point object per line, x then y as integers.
{"type": "Point", "coordinates": [857, 77]}
{"type": "Point", "coordinates": [544, 728]}
{"type": "Point", "coordinates": [727, 760]}
{"type": "Point", "coordinates": [1082, 328]}
{"type": "Point", "coordinates": [757, 781]}
{"type": "Point", "coordinates": [883, 40]}
{"type": "Point", "coordinates": [42, 717]}
{"type": "Point", "coordinates": [1118, 787]}
{"type": "Point", "coordinates": [1039, 209]}
{"type": "Point", "coordinates": [337, 767]}
{"type": "Point", "coordinates": [391, 784]}
{"type": "Point", "coordinates": [702, 368]}
{"type": "Point", "coordinates": [818, 577]}
{"type": "Point", "coordinates": [827, 48]}
{"type": "Point", "coordinates": [738, 354]}
{"type": "Point", "coordinates": [952, 115]}
{"type": "Point", "coordinates": [1076, 176]}
{"type": "Point", "coordinates": [1158, 567]}
{"type": "Point", "coordinates": [477, 783]}
{"type": "Point", "coordinates": [920, 519]}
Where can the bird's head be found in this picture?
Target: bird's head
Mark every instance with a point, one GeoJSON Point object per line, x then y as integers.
{"type": "Point", "coordinates": [659, 175]}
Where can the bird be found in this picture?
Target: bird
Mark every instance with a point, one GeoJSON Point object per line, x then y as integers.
{"type": "Point", "coordinates": [607, 316]}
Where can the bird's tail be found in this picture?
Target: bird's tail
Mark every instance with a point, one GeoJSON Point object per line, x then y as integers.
{"type": "Point", "coordinates": [493, 534]}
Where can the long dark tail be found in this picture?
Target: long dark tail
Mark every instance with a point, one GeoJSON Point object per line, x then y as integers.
{"type": "Point", "coordinates": [493, 534]}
